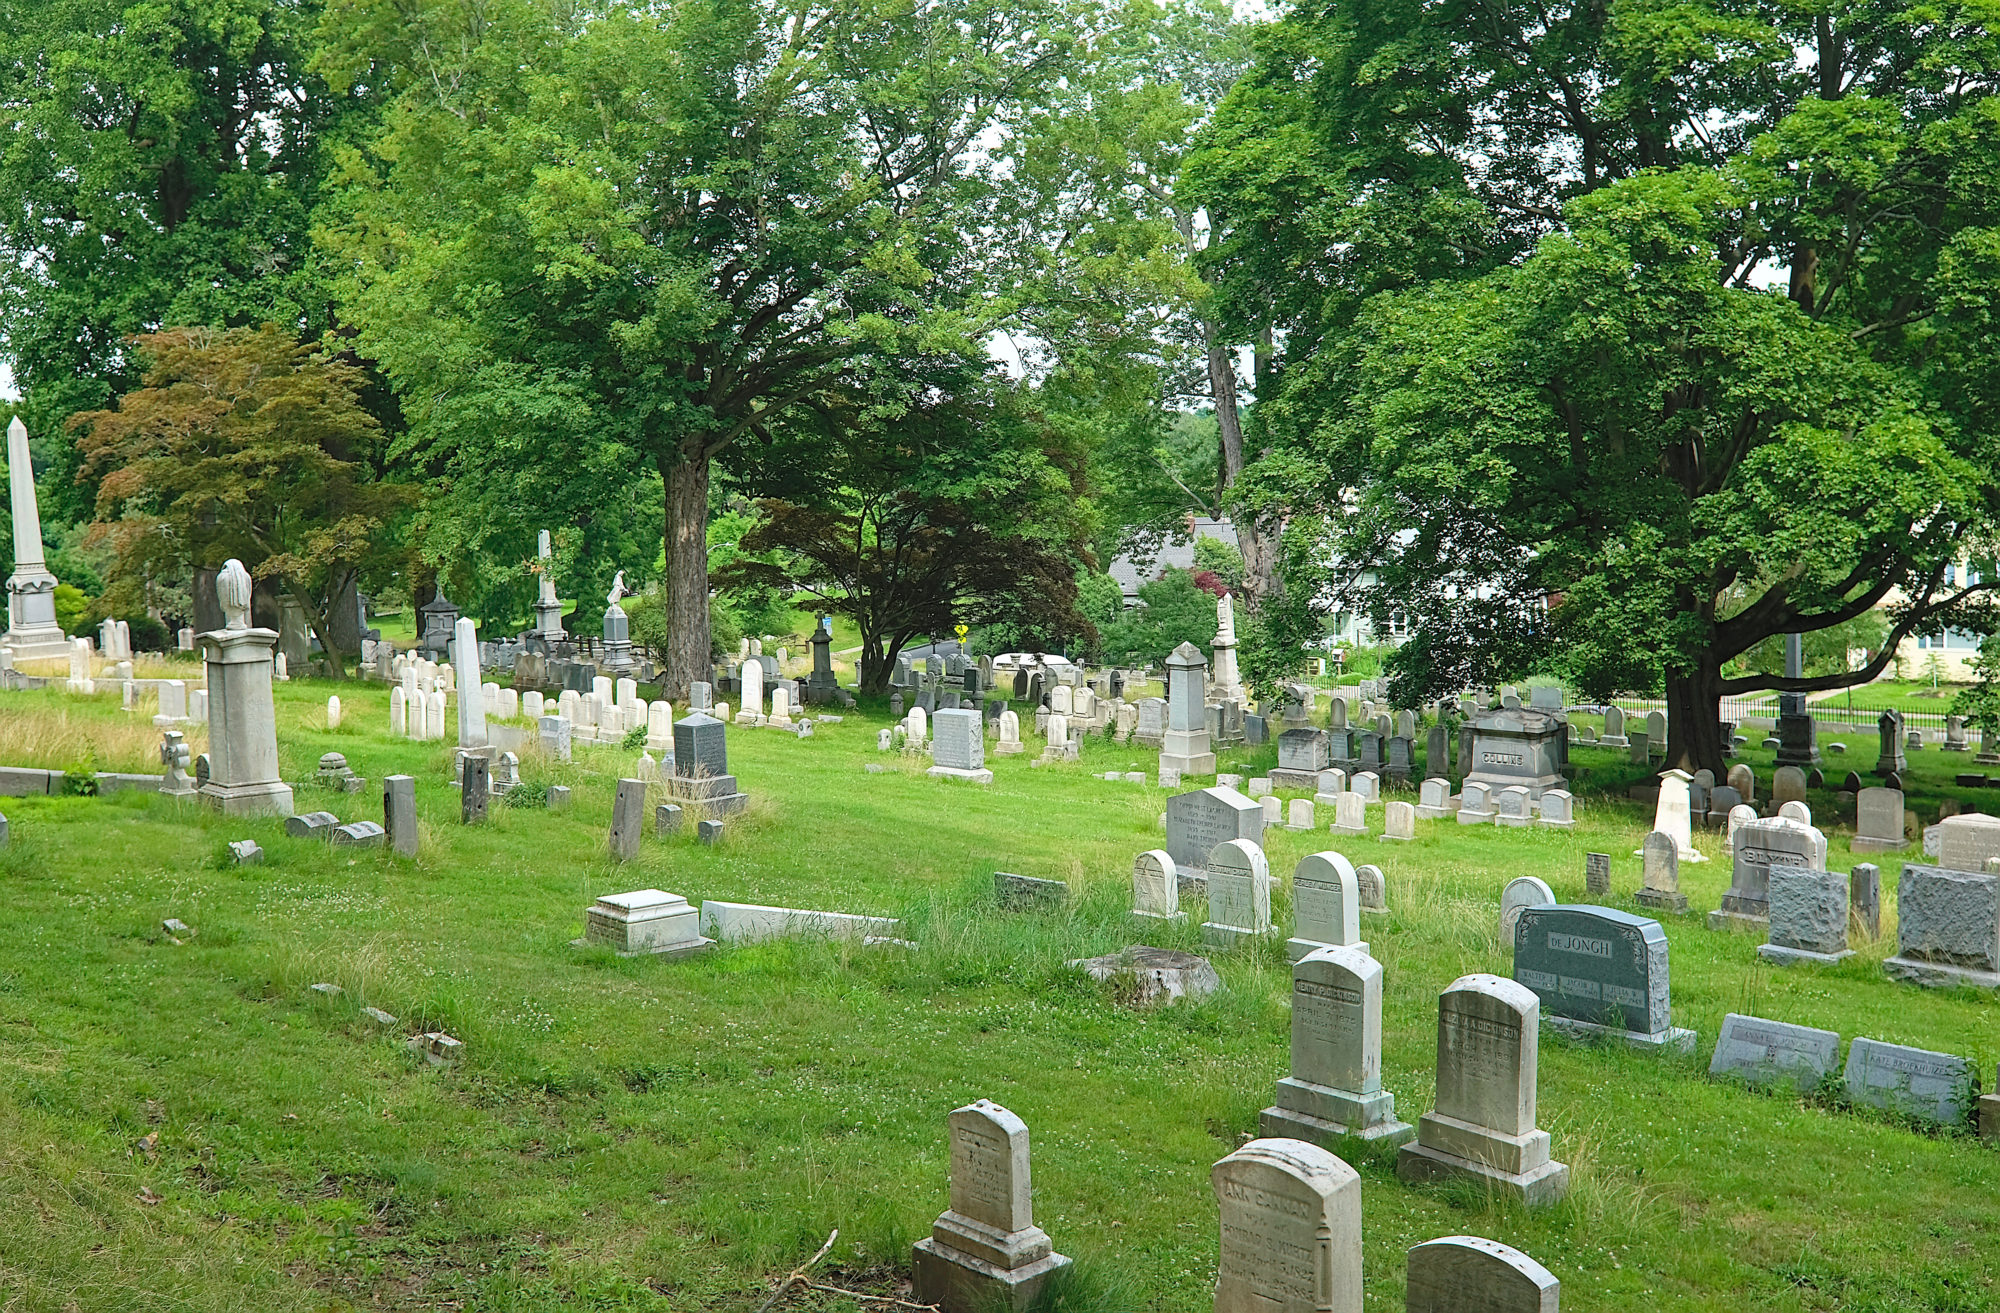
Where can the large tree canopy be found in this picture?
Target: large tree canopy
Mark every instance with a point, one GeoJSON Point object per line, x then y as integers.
{"type": "Point", "coordinates": [635, 239]}
{"type": "Point", "coordinates": [1566, 419]}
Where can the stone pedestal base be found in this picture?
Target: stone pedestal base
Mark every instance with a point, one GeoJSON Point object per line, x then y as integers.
{"type": "Point", "coordinates": [1288, 1123]}
{"type": "Point", "coordinates": [1784, 956]}
{"type": "Point", "coordinates": [646, 923]}
{"type": "Point", "coordinates": [269, 799]}
{"type": "Point", "coordinates": [1724, 919]}
{"type": "Point", "coordinates": [1198, 764]}
{"type": "Point", "coordinates": [1284, 777]}
{"type": "Point", "coordinates": [1938, 975]}
{"type": "Point", "coordinates": [1543, 1184]}
{"type": "Point", "coordinates": [1675, 1037]}
{"type": "Point", "coordinates": [1229, 936]}
{"type": "Point", "coordinates": [49, 644]}
{"type": "Point", "coordinates": [1467, 816]}
{"type": "Point", "coordinates": [1662, 901]}
{"type": "Point", "coordinates": [1349, 831]}
{"type": "Point", "coordinates": [1323, 1115]}
{"type": "Point", "coordinates": [960, 1283]}
{"type": "Point", "coordinates": [1007, 749]}
{"type": "Point", "coordinates": [954, 773]}
{"type": "Point", "coordinates": [1863, 844]}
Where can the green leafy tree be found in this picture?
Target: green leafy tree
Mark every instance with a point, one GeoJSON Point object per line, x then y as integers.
{"type": "Point", "coordinates": [1979, 701]}
{"type": "Point", "coordinates": [635, 240]}
{"type": "Point", "coordinates": [964, 510]}
{"type": "Point", "coordinates": [1172, 610]}
{"type": "Point", "coordinates": [247, 444]}
{"type": "Point", "coordinates": [161, 166]}
{"type": "Point", "coordinates": [1539, 396]}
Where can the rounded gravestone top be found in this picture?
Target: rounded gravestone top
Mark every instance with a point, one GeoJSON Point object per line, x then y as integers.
{"type": "Point", "coordinates": [1521, 894]}
{"type": "Point", "coordinates": [201, 769]}
{"type": "Point", "coordinates": [333, 761]}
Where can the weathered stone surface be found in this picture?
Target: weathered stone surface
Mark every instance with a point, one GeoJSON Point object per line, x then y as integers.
{"type": "Point", "coordinates": [1518, 747]}
{"type": "Point", "coordinates": [1290, 1216]}
{"type": "Point", "coordinates": [1399, 822]}
{"type": "Point", "coordinates": [1965, 843]}
{"type": "Point", "coordinates": [1467, 1274]}
{"type": "Point", "coordinates": [1239, 893]}
{"type": "Point", "coordinates": [1156, 886]}
{"type": "Point", "coordinates": [644, 921]}
{"type": "Point", "coordinates": [1483, 1126]}
{"type": "Point", "coordinates": [1145, 976]}
{"type": "Point", "coordinates": [1326, 905]}
{"type": "Point", "coordinates": [1520, 894]}
{"type": "Point", "coordinates": [1018, 893]}
{"type": "Point", "coordinates": [1758, 846]}
{"type": "Point", "coordinates": [1335, 1089]}
{"type": "Point", "coordinates": [750, 922]}
{"type": "Point", "coordinates": [1934, 1087]}
{"type": "Point", "coordinates": [1661, 887]}
{"type": "Point", "coordinates": [628, 812]}
{"type": "Point", "coordinates": [1808, 916]}
{"type": "Point", "coordinates": [1600, 972]}
{"type": "Point", "coordinates": [1878, 823]}
{"type": "Point", "coordinates": [1373, 887]}
{"type": "Point", "coordinates": [1198, 821]}
{"type": "Point", "coordinates": [1947, 928]}
{"type": "Point", "coordinates": [1766, 1052]}
{"type": "Point", "coordinates": [985, 1251]}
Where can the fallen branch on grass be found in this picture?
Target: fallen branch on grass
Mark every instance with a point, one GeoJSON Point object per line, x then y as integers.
{"type": "Point", "coordinates": [798, 1273]}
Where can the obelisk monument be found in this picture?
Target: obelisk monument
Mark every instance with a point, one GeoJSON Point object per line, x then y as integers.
{"type": "Point", "coordinates": [32, 631]}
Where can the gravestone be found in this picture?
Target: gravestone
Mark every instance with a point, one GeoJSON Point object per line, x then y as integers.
{"type": "Point", "coordinates": [1597, 874]}
{"type": "Point", "coordinates": [1760, 845]}
{"type": "Point", "coordinates": [667, 820]}
{"type": "Point", "coordinates": [1290, 1216]}
{"type": "Point", "coordinates": [1516, 809]}
{"type": "Point", "coordinates": [628, 819]}
{"type": "Point", "coordinates": [1483, 1127]}
{"type": "Point", "coordinates": [1186, 744]}
{"type": "Point", "coordinates": [475, 786]}
{"type": "Point", "coordinates": [1808, 912]}
{"type": "Point", "coordinates": [1673, 814]}
{"type": "Point", "coordinates": [985, 1252]}
{"type": "Point", "coordinates": [1326, 906]}
{"type": "Point", "coordinates": [1302, 755]}
{"type": "Point", "coordinates": [1600, 973]}
{"type": "Point", "coordinates": [1299, 814]}
{"type": "Point", "coordinates": [1350, 816]}
{"type": "Point", "coordinates": [1156, 889]}
{"type": "Point", "coordinates": [1434, 799]}
{"type": "Point", "coordinates": [1399, 822]}
{"type": "Point", "coordinates": [1197, 822]}
{"type": "Point", "coordinates": [1437, 751]}
{"type": "Point", "coordinates": [1796, 811]}
{"type": "Point", "coordinates": [1366, 785]}
{"type": "Point", "coordinates": [708, 832]}
{"type": "Point", "coordinates": [1520, 894]}
{"type": "Point", "coordinates": [1891, 761]}
{"type": "Point", "coordinates": [311, 825]}
{"type": "Point", "coordinates": [1468, 1274]}
{"type": "Point", "coordinates": [1518, 747]}
{"type": "Point", "coordinates": [1744, 781]}
{"type": "Point", "coordinates": [1640, 751]}
{"type": "Point", "coordinates": [1661, 887]}
{"type": "Point", "coordinates": [1968, 842]}
{"type": "Point", "coordinates": [1474, 806]}
{"type": "Point", "coordinates": [1335, 1086]}
{"type": "Point", "coordinates": [1152, 722]}
{"type": "Point", "coordinates": [1864, 898]}
{"type": "Point", "coordinates": [1919, 1083]}
{"type": "Point", "coordinates": [399, 813]}
{"type": "Point", "coordinates": [644, 922]}
{"type": "Point", "coordinates": [1373, 889]}
{"type": "Point", "coordinates": [1947, 928]}
{"type": "Point", "coordinates": [1239, 894]}
{"type": "Point", "coordinates": [1028, 893]}
{"type": "Point", "coordinates": [1614, 728]}
{"type": "Point", "coordinates": [1788, 784]}
{"type": "Point", "coordinates": [701, 766]}
{"type": "Point", "coordinates": [1762, 1052]}
{"type": "Point", "coordinates": [959, 750]}
{"type": "Point", "coordinates": [357, 834]}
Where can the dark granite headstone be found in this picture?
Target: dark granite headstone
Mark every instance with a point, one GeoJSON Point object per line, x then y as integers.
{"type": "Point", "coordinates": [1597, 873]}
{"type": "Point", "coordinates": [701, 746]}
{"type": "Point", "coordinates": [1198, 821]}
{"type": "Point", "coordinates": [1599, 966]}
{"type": "Point", "coordinates": [474, 788]}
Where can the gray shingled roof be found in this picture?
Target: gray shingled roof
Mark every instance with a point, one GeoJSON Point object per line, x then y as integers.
{"type": "Point", "coordinates": [1175, 554]}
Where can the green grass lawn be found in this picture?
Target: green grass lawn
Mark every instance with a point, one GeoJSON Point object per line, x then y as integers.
{"type": "Point", "coordinates": [670, 1135]}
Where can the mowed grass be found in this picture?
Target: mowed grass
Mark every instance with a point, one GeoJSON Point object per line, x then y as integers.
{"type": "Point", "coordinates": [659, 1135]}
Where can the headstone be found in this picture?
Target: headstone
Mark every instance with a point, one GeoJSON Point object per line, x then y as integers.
{"type": "Point", "coordinates": [960, 749]}
{"type": "Point", "coordinates": [1434, 799]}
{"type": "Point", "coordinates": [1299, 814]}
{"type": "Point", "coordinates": [1864, 898]}
{"type": "Point", "coordinates": [245, 852]}
{"type": "Point", "coordinates": [1367, 786]}
{"type": "Point", "coordinates": [1760, 845]}
{"type": "Point", "coordinates": [1399, 822]}
{"type": "Point", "coordinates": [1808, 917]}
{"type": "Point", "coordinates": [399, 813]}
{"type": "Point", "coordinates": [628, 818]}
{"type": "Point", "coordinates": [1197, 822]}
{"type": "Point", "coordinates": [1640, 751]}
{"type": "Point", "coordinates": [1597, 874]}
{"type": "Point", "coordinates": [1515, 809]}
{"type": "Point", "coordinates": [1891, 760]}
{"type": "Point", "coordinates": [1156, 886]}
{"type": "Point", "coordinates": [357, 834]}
{"type": "Point", "coordinates": [1614, 728]}
{"type": "Point", "coordinates": [985, 1251]}
{"type": "Point", "coordinates": [667, 819]}
{"type": "Point", "coordinates": [244, 777]}
{"type": "Point", "coordinates": [1947, 928]}
{"type": "Point", "coordinates": [1483, 1126]}
{"type": "Point", "coordinates": [1968, 842]}
{"type": "Point", "coordinates": [1918, 1083]}
{"type": "Point", "coordinates": [311, 825]}
{"type": "Point", "coordinates": [1335, 1086]}
{"type": "Point", "coordinates": [1373, 888]}
{"type": "Point", "coordinates": [701, 766]}
{"type": "Point", "coordinates": [1520, 894]}
{"type": "Point", "coordinates": [1474, 807]}
{"type": "Point", "coordinates": [1239, 894]}
{"type": "Point", "coordinates": [1350, 816]}
{"type": "Point", "coordinates": [1291, 1230]}
{"type": "Point", "coordinates": [1661, 887]}
{"type": "Point", "coordinates": [646, 921]}
{"type": "Point", "coordinates": [558, 797]}
{"type": "Point", "coordinates": [1027, 893]}
{"type": "Point", "coordinates": [1302, 755]}
{"type": "Point", "coordinates": [1762, 1052]}
{"type": "Point", "coordinates": [1326, 906]}
{"type": "Point", "coordinates": [474, 788]}
{"type": "Point", "coordinates": [708, 832]}
{"type": "Point", "coordinates": [1673, 815]}
{"type": "Point", "coordinates": [1468, 1274]}
{"type": "Point", "coordinates": [1600, 973]}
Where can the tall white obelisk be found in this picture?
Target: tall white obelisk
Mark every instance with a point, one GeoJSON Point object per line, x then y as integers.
{"type": "Point", "coordinates": [32, 631]}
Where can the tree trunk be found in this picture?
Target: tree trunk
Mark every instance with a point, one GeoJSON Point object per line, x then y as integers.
{"type": "Point", "coordinates": [1257, 553]}
{"type": "Point", "coordinates": [687, 573]}
{"type": "Point", "coordinates": [1694, 719]}
{"type": "Point", "coordinates": [321, 622]}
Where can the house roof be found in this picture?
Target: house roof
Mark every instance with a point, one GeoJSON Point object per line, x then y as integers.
{"type": "Point", "coordinates": [1176, 553]}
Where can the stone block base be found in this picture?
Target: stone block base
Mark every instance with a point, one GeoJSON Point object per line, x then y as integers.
{"type": "Point", "coordinates": [1432, 813]}
{"type": "Point", "coordinates": [1327, 1135]}
{"type": "Point", "coordinates": [1784, 956]}
{"type": "Point", "coordinates": [1298, 948]}
{"type": "Point", "coordinates": [1661, 901]}
{"type": "Point", "coordinates": [1543, 1185]}
{"type": "Point", "coordinates": [1863, 844]}
{"type": "Point", "coordinates": [1938, 975]}
{"type": "Point", "coordinates": [960, 1283]}
{"type": "Point", "coordinates": [249, 799]}
{"type": "Point", "coordinates": [680, 948]}
{"type": "Point", "coordinates": [1514, 822]}
{"type": "Point", "coordinates": [1229, 936]}
{"type": "Point", "coordinates": [1675, 1037]}
{"type": "Point", "coordinates": [1009, 749]}
{"type": "Point", "coordinates": [1199, 764]}
{"type": "Point", "coordinates": [1396, 838]}
{"type": "Point", "coordinates": [954, 773]}
{"type": "Point", "coordinates": [1350, 831]}
{"type": "Point", "coordinates": [1724, 919]}
{"type": "Point", "coordinates": [1467, 817]}
{"type": "Point", "coordinates": [1284, 777]}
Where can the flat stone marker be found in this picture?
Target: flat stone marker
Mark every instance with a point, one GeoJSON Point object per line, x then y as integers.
{"type": "Point", "coordinates": [1933, 1087]}
{"type": "Point", "coordinates": [1290, 1216]}
{"type": "Point", "coordinates": [245, 852]}
{"type": "Point", "coordinates": [399, 813]}
{"type": "Point", "coordinates": [1239, 894]}
{"type": "Point", "coordinates": [644, 922]}
{"type": "Point", "coordinates": [474, 789]}
{"type": "Point", "coordinates": [1466, 1274]}
{"type": "Point", "coordinates": [1028, 893]}
{"type": "Point", "coordinates": [311, 825]}
{"type": "Point", "coordinates": [1662, 888]}
{"type": "Point", "coordinates": [1765, 1052]}
{"type": "Point", "coordinates": [1947, 928]}
{"type": "Point", "coordinates": [1600, 973]}
{"type": "Point", "coordinates": [1326, 905]}
{"type": "Point", "coordinates": [357, 834]}
{"type": "Point", "coordinates": [1520, 894]}
{"type": "Point", "coordinates": [1157, 975]}
{"type": "Point", "coordinates": [1156, 886]}
{"type": "Point", "coordinates": [1808, 917]}
{"type": "Point", "coordinates": [1335, 1087]}
{"type": "Point", "coordinates": [985, 1251]}
{"type": "Point", "coordinates": [628, 810]}
{"type": "Point", "coordinates": [1483, 1127]}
